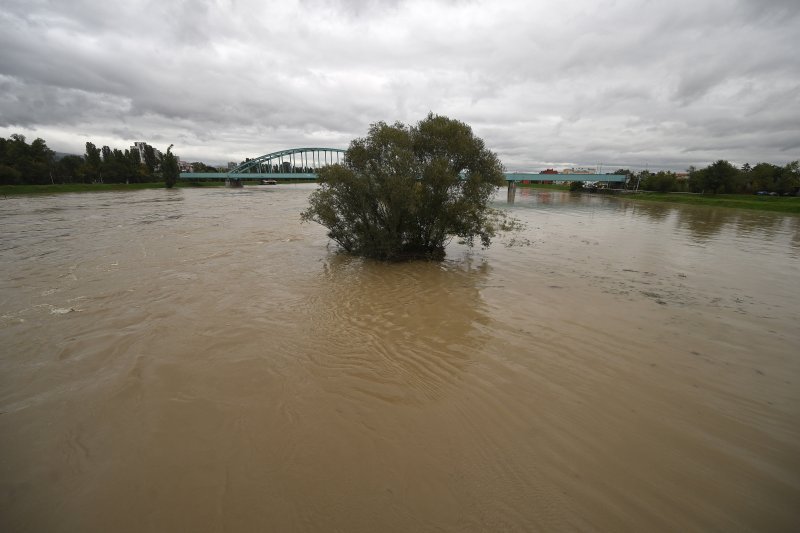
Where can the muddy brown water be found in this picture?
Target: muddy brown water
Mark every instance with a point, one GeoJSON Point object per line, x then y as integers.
{"type": "Point", "coordinates": [198, 360]}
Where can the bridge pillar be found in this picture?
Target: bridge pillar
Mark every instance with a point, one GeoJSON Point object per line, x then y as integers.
{"type": "Point", "coordinates": [512, 191]}
{"type": "Point", "coordinates": [233, 183]}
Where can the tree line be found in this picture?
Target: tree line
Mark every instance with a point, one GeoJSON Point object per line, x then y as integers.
{"type": "Point", "coordinates": [36, 164]}
{"type": "Point", "coordinates": [722, 177]}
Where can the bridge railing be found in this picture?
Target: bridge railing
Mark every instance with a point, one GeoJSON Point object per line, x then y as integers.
{"type": "Point", "coordinates": [530, 176]}
{"type": "Point", "coordinates": [251, 176]}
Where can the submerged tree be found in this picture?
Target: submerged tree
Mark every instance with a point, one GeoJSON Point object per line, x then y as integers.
{"type": "Point", "coordinates": [406, 191]}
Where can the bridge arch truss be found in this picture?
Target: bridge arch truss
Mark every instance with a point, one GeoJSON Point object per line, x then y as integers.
{"type": "Point", "coordinates": [293, 160]}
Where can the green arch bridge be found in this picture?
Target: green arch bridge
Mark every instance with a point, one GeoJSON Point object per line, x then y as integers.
{"type": "Point", "coordinates": [303, 163]}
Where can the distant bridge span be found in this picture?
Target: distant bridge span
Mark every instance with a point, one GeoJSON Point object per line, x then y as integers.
{"type": "Point", "coordinates": [291, 164]}
{"type": "Point", "coordinates": [306, 160]}
{"type": "Point", "coordinates": [303, 164]}
{"type": "Point", "coordinates": [535, 176]}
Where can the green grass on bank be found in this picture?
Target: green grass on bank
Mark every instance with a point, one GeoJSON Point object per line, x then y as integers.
{"type": "Point", "coordinates": [780, 204]}
{"type": "Point", "coordinates": [7, 190]}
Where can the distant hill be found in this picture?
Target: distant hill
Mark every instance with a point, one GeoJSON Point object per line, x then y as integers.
{"type": "Point", "coordinates": [61, 155]}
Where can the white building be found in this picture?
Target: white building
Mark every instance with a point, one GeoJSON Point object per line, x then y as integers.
{"type": "Point", "coordinates": [139, 146]}
{"type": "Point", "coordinates": [579, 170]}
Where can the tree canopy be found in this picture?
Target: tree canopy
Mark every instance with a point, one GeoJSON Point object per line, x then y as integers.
{"type": "Point", "coordinates": [21, 162]}
{"type": "Point", "coordinates": [405, 191]}
{"type": "Point", "coordinates": [169, 168]}
{"type": "Point", "coordinates": [722, 177]}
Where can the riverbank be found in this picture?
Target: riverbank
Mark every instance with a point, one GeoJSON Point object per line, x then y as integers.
{"type": "Point", "coordinates": [778, 204]}
{"type": "Point", "coordinates": [8, 190]}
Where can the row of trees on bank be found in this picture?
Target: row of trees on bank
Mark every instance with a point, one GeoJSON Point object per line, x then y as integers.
{"type": "Point", "coordinates": [723, 178]}
{"type": "Point", "coordinates": [36, 164]}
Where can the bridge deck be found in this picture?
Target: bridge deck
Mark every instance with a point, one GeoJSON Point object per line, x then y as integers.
{"type": "Point", "coordinates": [509, 176]}
{"type": "Point", "coordinates": [248, 176]}
{"type": "Point", "coordinates": [531, 176]}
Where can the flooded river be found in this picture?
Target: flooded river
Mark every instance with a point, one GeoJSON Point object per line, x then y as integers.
{"type": "Point", "coordinates": [199, 360]}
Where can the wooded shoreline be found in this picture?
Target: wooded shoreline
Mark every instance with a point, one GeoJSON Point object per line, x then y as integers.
{"type": "Point", "coordinates": [781, 204]}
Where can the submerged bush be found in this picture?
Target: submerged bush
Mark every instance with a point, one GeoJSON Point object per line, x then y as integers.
{"type": "Point", "coordinates": [406, 191]}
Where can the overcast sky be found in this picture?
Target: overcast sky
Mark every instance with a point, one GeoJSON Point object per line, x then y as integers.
{"type": "Point", "coordinates": [665, 84]}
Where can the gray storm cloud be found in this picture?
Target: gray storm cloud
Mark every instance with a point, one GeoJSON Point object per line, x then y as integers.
{"type": "Point", "coordinates": [622, 84]}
